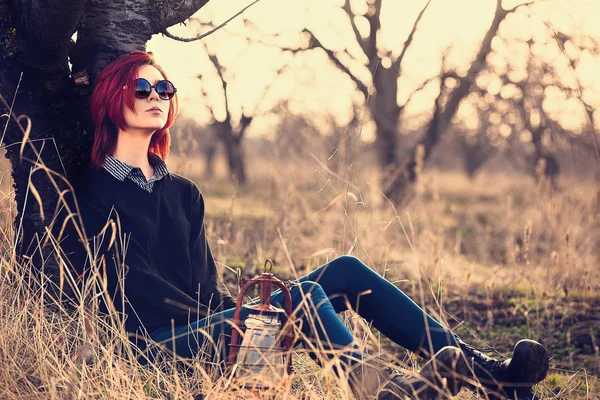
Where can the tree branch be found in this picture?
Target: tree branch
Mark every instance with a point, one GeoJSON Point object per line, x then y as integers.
{"type": "Point", "coordinates": [316, 43]}
{"type": "Point", "coordinates": [245, 122]}
{"type": "Point", "coordinates": [169, 35]}
{"type": "Point", "coordinates": [110, 30]}
{"type": "Point", "coordinates": [205, 95]}
{"type": "Point", "coordinates": [477, 64]}
{"type": "Point", "coordinates": [371, 44]}
{"type": "Point", "coordinates": [443, 115]}
{"type": "Point", "coordinates": [417, 90]}
{"type": "Point", "coordinates": [587, 109]}
{"type": "Point", "coordinates": [171, 12]}
{"type": "Point", "coordinates": [217, 65]}
{"type": "Point", "coordinates": [515, 8]}
{"type": "Point", "coordinates": [265, 92]}
{"type": "Point", "coordinates": [409, 39]}
{"type": "Point", "coordinates": [357, 35]}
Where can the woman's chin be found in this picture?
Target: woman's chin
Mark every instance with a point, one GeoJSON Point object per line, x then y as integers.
{"type": "Point", "coordinates": [154, 127]}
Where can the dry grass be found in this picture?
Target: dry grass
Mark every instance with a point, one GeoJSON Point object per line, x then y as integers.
{"type": "Point", "coordinates": [477, 254]}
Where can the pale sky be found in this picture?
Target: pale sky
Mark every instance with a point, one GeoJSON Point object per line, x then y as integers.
{"type": "Point", "coordinates": [313, 86]}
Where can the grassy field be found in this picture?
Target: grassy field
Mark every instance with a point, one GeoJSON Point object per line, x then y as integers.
{"type": "Point", "coordinates": [498, 258]}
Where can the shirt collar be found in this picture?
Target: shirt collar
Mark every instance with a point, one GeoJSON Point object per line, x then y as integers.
{"type": "Point", "coordinates": [116, 168]}
{"type": "Point", "coordinates": [159, 166]}
{"type": "Point", "coordinates": [121, 170]}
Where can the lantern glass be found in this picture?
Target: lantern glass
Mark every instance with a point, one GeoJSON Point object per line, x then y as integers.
{"type": "Point", "coordinates": [261, 349]}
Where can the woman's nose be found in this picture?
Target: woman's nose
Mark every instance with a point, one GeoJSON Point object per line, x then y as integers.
{"type": "Point", "coordinates": [153, 95]}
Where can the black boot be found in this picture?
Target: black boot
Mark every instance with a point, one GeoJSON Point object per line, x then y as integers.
{"type": "Point", "coordinates": [511, 378]}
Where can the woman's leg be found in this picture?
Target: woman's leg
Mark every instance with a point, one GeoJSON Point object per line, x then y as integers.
{"type": "Point", "coordinates": [212, 335]}
{"type": "Point", "coordinates": [346, 280]}
{"type": "Point", "coordinates": [319, 321]}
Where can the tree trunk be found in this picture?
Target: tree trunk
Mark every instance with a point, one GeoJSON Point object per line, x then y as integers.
{"type": "Point", "coordinates": [233, 149]}
{"type": "Point", "coordinates": [37, 53]}
{"type": "Point", "coordinates": [476, 154]}
{"type": "Point", "coordinates": [545, 165]}
{"type": "Point", "coordinates": [386, 112]}
{"type": "Point", "coordinates": [209, 157]}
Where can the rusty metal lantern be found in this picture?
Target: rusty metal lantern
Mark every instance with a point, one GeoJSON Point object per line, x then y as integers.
{"type": "Point", "coordinates": [266, 346]}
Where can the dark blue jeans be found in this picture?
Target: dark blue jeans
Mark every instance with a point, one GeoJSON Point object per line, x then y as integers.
{"type": "Point", "coordinates": [342, 283]}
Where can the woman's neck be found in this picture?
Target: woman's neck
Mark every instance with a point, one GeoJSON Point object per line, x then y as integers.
{"type": "Point", "coordinates": [132, 148]}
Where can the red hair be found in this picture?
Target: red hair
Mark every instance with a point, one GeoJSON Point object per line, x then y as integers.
{"type": "Point", "coordinates": [106, 106]}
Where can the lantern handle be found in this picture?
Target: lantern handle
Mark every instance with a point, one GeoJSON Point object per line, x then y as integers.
{"type": "Point", "coordinates": [269, 266]}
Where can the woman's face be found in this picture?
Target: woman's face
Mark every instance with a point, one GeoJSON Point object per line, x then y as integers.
{"type": "Point", "coordinates": [150, 114]}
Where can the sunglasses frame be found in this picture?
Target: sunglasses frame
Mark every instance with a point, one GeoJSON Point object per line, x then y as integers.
{"type": "Point", "coordinates": [152, 87]}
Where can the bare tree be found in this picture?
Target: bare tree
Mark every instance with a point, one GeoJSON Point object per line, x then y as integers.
{"type": "Point", "coordinates": [399, 175]}
{"type": "Point", "coordinates": [590, 140]}
{"type": "Point", "coordinates": [231, 131]}
{"type": "Point", "coordinates": [531, 133]}
{"type": "Point", "coordinates": [382, 103]}
{"type": "Point", "coordinates": [446, 105]}
{"type": "Point", "coordinates": [36, 80]}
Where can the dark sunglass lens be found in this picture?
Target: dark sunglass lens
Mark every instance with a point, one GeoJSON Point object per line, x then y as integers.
{"type": "Point", "coordinates": [142, 89]}
{"type": "Point", "coordinates": [165, 90]}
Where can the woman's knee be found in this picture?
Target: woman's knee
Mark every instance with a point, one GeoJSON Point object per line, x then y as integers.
{"type": "Point", "coordinates": [346, 266]}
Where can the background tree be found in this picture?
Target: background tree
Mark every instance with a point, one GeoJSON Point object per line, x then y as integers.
{"type": "Point", "coordinates": [533, 104]}
{"type": "Point", "coordinates": [231, 126]}
{"type": "Point", "coordinates": [381, 92]}
{"type": "Point", "coordinates": [229, 131]}
{"type": "Point", "coordinates": [230, 116]}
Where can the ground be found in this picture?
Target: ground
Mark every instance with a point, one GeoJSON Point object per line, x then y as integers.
{"type": "Point", "coordinates": [498, 258]}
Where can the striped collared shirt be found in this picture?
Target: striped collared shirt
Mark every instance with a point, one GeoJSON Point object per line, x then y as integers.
{"type": "Point", "coordinates": [122, 171]}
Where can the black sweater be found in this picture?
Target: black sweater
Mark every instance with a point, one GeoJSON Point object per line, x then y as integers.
{"type": "Point", "coordinates": [170, 273]}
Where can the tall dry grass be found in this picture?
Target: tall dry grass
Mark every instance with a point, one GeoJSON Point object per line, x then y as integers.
{"type": "Point", "coordinates": [497, 234]}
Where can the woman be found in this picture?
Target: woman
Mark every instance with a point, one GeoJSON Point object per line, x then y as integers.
{"type": "Point", "coordinates": [170, 281]}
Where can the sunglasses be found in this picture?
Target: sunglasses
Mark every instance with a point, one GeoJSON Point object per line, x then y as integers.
{"type": "Point", "coordinates": [164, 89]}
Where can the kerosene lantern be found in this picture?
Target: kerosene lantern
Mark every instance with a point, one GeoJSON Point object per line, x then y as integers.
{"type": "Point", "coordinates": [266, 347]}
